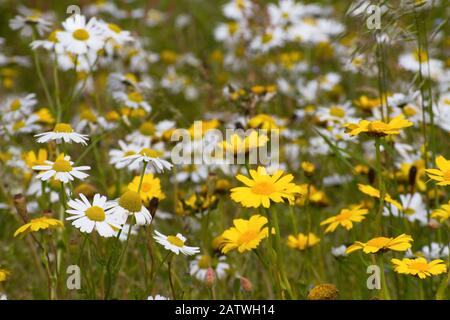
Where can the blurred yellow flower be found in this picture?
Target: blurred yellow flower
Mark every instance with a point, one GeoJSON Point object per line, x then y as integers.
{"type": "Point", "coordinates": [302, 241]}
{"type": "Point", "coordinates": [419, 267]}
{"type": "Point", "coordinates": [443, 213]}
{"type": "Point", "coordinates": [41, 223]}
{"type": "Point", "coordinates": [235, 144]}
{"type": "Point", "coordinates": [150, 188]}
{"type": "Point", "coordinates": [345, 218]}
{"type": "Point", "coordinates": [263, 121]}
{"type": "Point", "coordinates": [378, 128]}
{"type": "Point", "coordinates": [442, 174]}
{"type": "Point", "coordinates": [36, 159]}
{"type": "Point", "coordinates": [371, 191]}
{"type": "Point", "coordinates": [263, 188]}
{"type": "Point", "coordinates": [381, 244]}
{"type": "Point", "coordinates": [245, 235]}
{"type": "Point", "coordinates": [4, 274]}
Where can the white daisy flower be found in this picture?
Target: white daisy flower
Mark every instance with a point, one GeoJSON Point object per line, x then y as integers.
{"type": "Point", "coordinates": [176, 244]}
{"type": "Point", "coordinates": [416, 61]}
{"type": "Point", "coordinates": [99, 215]}
{"type": "Point", "coordinates": [50, 44]}
{"type": "Point", "coordinates": [130, 204]}
{"type": "Point", "coordinates": [340, 113]}
{"type": "Point", "coordinates": [62, 131]}
{"type": "Point", "coordinates": [126, 149]}
{"type": "Point", "coordinates": [149, 157]}
{"type": "Point", "coordinates": [29, 18]}
{"type": "Point", "coordinates": [133, 99]}
{"type": "Point", "coordinates": [414, 209]}
{"type": "Point", "coordinates": [339, 251]}
{"type": "Point", "coordinates": [79, 37]}
{"type": "Point", "coordinates": [61, 170]}
{"type": "Point", "coordinates": [199, 266]}
{"type": "Point", "coordinates": [114, 35]}
{"type": "Point", "coordinates": [16, 107]}
{"type": "Point", "coordinates": [435, 251]}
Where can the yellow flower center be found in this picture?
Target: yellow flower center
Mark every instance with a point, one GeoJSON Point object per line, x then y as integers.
{"type": "Point", "coordinates": [62, 165]}
{"type": "Point", "coordinates": [344, 215]}
{"type": "Point", "coordinates": [95, 213]}
{"type": "Point", "coordinates": [409, 111]}
{"type": "Point", "coordinates": [52, 37]}
{"type": "Point", "coordinates": [114, 27]}
{"type": "Point", "coordinates": [337, 112]}
{"type": "Point", "coordinates": [204, 262]}
{"type": "Point", "coordinates": [131, 201]}
{"type": "Point", "coordinates": [263, 188]}
{"type": "Point", "coordinates": [63, 127]}
{"type": "Point", "coordinates": [248, 236]}
{"type": "Point", "coordinates": [409, 211]}
{"type": "Point", "coordinates": [81, 34]}
{"type": "Point", "coordinates": [18, 125]}
{"type": "Point", "coordinates": [421, 266]}
{"type": "Point", "coordinates": [150, 153]}
{"type": "Point", "coordinates": [446, 175]}
{"type": "Point", "coordinates": [135, 97]}
{"type": "Point", "coordinates": [232, 27]}
{"type": "Point", "coordinates": [175, 241]}
{"type": "Point", "coordinates": [146, 187]}
{"type": "Point", "coordinates": [147, 129]}
{"type": "Point", "coordinates": [15, 105]}
{"type": "Point", "coordinates": [87, 114]}
{"type": "Point", "coordinates": [129, 153]}
{"type": "Point", "coordinates": [266, 38]}
{"type": "Point", "coordinates": [378, 242]}
{"type": "Point", "coordinates": [421, 56]}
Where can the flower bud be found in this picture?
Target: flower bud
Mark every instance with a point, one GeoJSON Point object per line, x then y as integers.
{"type": "Point", "coordinates": [210, 277]}
{"type": "Point", "coordinates": [246, 285]}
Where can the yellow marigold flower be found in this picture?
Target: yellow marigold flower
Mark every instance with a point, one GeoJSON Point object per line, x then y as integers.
{"type": "Point", "coordinates": [442, 174]}
{"type": "Point", "coordinates": [4, 274]}
{"type": "Point", "coordinates": [45, 116]}
{"type": "Point", "coordinates": [236, 144]}
{"type": "Point", "coordinates": [317, 197]}
{"type": "Point", "coordinates": [419, 267]}
{"type": "Point", "coordinates": [41, 223]}
{"type": "Point", "coordinates": [245, 235]}
{"type": "Point", "coordinates": [302, 241]}
{"type": "Point", "coordinates": [32, 159]}
{"type": "Point", "coordinates": [443, 213]}
{"type": "Point", "coordinates": [150, 188]}
{"type": "Point", "coordinates": [345, 218]}
{"type": "Point", "coordinates": [366, 103]}
{"type": "Point", "coordinates": [263, 188]}
{"type": "Point", "coordinates": [371, 191]}
{"type": "Point", "coordinates": [205, 126]}
{"type": "Point", "coordinates": [263, 121]}
{"type": "Point", "coordinates": [380, 244]}
{"type": "Point", "coordinates": [378, 128]}
{"type": "Point", "coordinates": [308, 167]}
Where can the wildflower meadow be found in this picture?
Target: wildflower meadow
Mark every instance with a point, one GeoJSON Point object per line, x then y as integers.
{"type": "Point", "coordinates": [226, 149]}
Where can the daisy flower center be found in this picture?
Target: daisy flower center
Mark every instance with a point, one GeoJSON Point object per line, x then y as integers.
{"type": "Point", "coordinates": [337, 112]}
{"type": "Point", "coordinates": [263, 188]}
{"type": "Point", "coordinates": [150, 153]}
{"type": "Point", "coordinates": [114, 27]}
{"type": "Point", "coordinates": [248, 236]}
{"type": "Point", "coordinates": [62, 165]}
{"type": "Point", "coordinates": [52, 37]}
{"type": "Point", "coordinates": [232, 27]}
{"type": "Point", "coordinates": [266, 38]}
{"type": "Point", "coordinates": [18, 125]}
{"type": "Point", "coordinates": [95, 213]}
{"type": "Point", "coordinates": [175, 241]}
{"type": "Point", "coordinates": [135, 97]}
{"type": "Point", "coordinates": [409, 111]}
{"type": "Point", "coordinates": [204, 262]}
{"type": "Point", "coordinates": [63, 128]}
{"type": "Point", "coordinates": [131, 201]}
{"type": "Point", "coordinates": [129, 153]}
{"type": "Point", "coordinates": [147, 129]}
{"type": "Point", "coordinates": [421, 56]}
{"type": "Point", "coordinates": [15, 105]}
{"type": "Point", "coordinates": [81, 34]}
